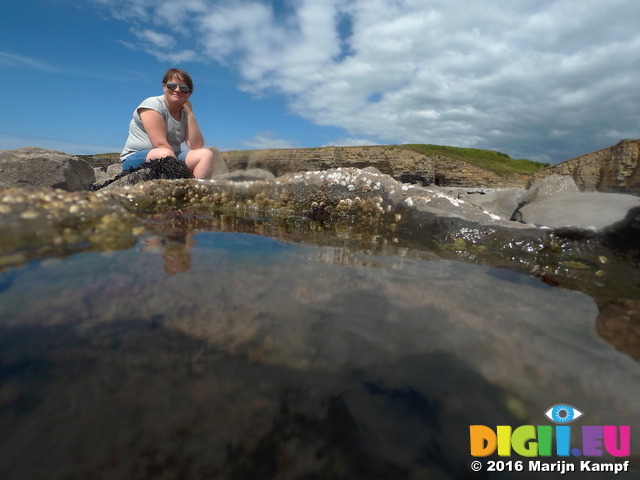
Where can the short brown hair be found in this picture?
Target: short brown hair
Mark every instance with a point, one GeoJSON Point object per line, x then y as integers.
{"type": "Point", "coordinates": [176, 72]}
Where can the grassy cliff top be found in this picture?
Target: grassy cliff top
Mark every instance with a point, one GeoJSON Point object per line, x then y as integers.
{"type": "Point", "coordinates": [500, 163]}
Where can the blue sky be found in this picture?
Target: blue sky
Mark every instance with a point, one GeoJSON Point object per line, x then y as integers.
{"type": "Point", "coordinates": [540, 79]}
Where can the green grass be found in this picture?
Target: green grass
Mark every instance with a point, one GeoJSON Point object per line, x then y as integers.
{"type": "Point", "coordinates": [498, 162]}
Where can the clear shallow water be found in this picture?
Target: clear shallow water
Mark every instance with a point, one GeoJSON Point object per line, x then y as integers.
{"type": "Point", "coordinates": [228, 355]}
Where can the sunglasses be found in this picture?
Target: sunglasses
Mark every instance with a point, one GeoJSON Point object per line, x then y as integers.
{"type": "Point", "coordinates": [173, 85]}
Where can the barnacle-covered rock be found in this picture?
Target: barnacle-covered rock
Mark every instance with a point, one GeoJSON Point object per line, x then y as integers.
{"type": "Point", "coordinates": [43, 221]}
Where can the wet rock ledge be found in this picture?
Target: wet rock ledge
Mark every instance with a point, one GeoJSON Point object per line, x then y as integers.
{"type": "Point", "coordinates": [36, 219]}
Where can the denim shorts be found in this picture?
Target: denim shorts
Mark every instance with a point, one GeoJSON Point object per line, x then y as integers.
{"type": "Point", "coordinates": [138, 158]}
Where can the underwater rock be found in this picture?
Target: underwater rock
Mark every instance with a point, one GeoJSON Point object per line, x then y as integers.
{"type": "Point", "coordinates": [40, 222]}
{"type": "Point", "coordinates": [265, 357]}
{"type": "Point", "coordinates": [619, 324]}
{"type": "Point", "coordinates": [624, 236]}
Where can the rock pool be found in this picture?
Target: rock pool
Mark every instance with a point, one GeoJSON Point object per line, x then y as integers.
{"type": "Point", "coordinates": [312, 350]}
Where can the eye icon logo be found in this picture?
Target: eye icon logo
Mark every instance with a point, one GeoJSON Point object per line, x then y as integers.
{"type": "Point", "coordinates": [563, 413]}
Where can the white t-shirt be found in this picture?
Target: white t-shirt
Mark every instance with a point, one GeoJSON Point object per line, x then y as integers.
{"type": "Point", "coordinates": [139, 140]}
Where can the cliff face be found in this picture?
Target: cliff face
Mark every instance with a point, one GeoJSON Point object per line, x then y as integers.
{"type": "Point", "coordinates": [612, 169]}
{"type": "Point", "coordinates": [390, 160]}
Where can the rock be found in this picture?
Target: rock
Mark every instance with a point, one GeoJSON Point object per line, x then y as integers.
{"type": "Point", "coordinates": [101, 175]}
{"type": "Point", "coordinates": [454, 209]}
{"type": "Point", "coordinates": [372, 170]}
{"type": "Point", "coordinates": [619, 324]}
{"type": "Point", "coordinates": [624, 237]}
{"type": "Point", "coordinates": [342, 192]}
{"type": "Point", "coordinates": [114, 169]}
{"type": "Point", "coordinates": [44, 218]}
{"type": "Point", "coordinates": [250, 175]}
{"type": "Point", "coordinates": [354, 192]}
{"type": "Point", "coordinates": [111, 172]}
{"type": "Point", "coordinates": [589, 210]}
{"type": "Point", "coordinates": [37, 167]}
{"type": "Point", "coordinates": [277, 361]}
{"type": "Point", "coordinates": [387, 159]}
{"type": "Point", "coordinates": [502, 202]}
{"type": "Point", "coordinates": [612, 169]}
{"type": "Point", "coordinates": [101, 160]}
{"type": "Point", "coordinates": [430, 216]}
{"type": "Point", "coordinates": [413, 179]}
{"type": "Point", "coordinates": [120, 182]}
{"type": "Point", "coordinates": [551, 186]}
{"type": "Point", "coordinates": [162, 168]}
{"type": "Point", "coordinates": [219, 165]}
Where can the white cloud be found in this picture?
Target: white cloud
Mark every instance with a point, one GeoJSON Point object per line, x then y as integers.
{"type": "Point", "coordinates": [265, 140]}
{"type": "Point", "coordinates": [20, 61]}
{"type": "Point", "coordinates": [350, 142]}
{"type": "Point", "coordinates": [154, 39]}
{"type": "Point", "coordinates": [179, 15]}
{"type": "Point", "coordinates": [503, 75]}
{"type": "Point", "coordinates": [160, 45]}
{"type": "Point", "coordinates": [176, 57]}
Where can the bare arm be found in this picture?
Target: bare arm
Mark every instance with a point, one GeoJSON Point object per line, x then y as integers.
{"type": "Point", "coordinates": [194, 138]}
{"type": "Point", "coordinates": [156, 128]}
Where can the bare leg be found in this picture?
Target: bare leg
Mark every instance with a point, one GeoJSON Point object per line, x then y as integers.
{"type": "Point", "coordinates": [200, 162]}
{"type": "Point", "coordinates": [160, 153]}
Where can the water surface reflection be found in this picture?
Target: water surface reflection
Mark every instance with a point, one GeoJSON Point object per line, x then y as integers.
{"type": "Point", "coordinates": [265, 359]}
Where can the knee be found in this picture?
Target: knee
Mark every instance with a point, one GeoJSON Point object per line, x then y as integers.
{"type": "Point", "coordinates": [205, 154]}
{"type": "Point", "coordinates": [160, 153]}
{"type": "Point", "coordinates": [200, 156]}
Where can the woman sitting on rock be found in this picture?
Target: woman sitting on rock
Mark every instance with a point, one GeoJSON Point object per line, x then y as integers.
{"type": "Point", "coordinates": [161, 124]}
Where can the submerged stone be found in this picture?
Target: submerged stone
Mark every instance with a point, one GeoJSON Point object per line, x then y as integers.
{"type": "Point", "coordinates": [271, 358]}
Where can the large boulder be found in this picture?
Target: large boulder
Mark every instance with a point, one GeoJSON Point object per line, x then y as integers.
{"type": "Point", "coordinates": [588, 210]}
{"type": "Point", "coordinates": [37, 167]}
{"type": "Point", "coordinates": [551, 186]}
{"type": "Point", "coordinates": [556, 202]}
